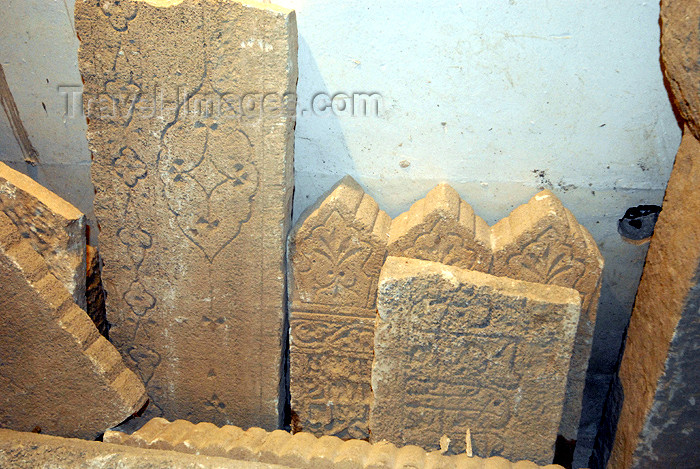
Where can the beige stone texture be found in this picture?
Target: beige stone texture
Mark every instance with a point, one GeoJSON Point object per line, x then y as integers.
{"type": "Point", "coordinates": [457, 349]}
{"type": "Point", "coordinates": [19, 450]}
{"type": "Point", "coordinates": [302, 450]}
{"type": "Point", "coordinates": [336, 252]}
{"type": "Point", "coordinates": [193, 171]}
{"type": "Point", "coordinates": [659, 424]}
{"type": "Point", "coordinates": [57, 373]}
{"type": "Point", "coordinates": [539, 241]}
{"type": "Point", "coordinates": [442, 228]}
{"type": "Point", "coordinates": [542, 242]}
{"type": "Point", "coordinates": [54, 228]}
{"type": "Point", "coordinates": [680, 55]}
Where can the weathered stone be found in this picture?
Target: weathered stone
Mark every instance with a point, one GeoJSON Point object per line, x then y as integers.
{"type": "Point", "coordinates": [57, 372]}
{"type": "Point", "coordinates": [336, 252]}
{"type": "Point", "coordinates": [28, 451]}
{"type": "Point", "coordinates": [54, 228]}
{"type": "Point", "coordinates": [680, 53]}
{"type": "Point", "coordinates": [442, 228]}
{"type": "Point", "coordinates": [659, 424]}
{"type": "Point", "coordinates": [542, 242]}
{"type": "Point", "coordinates": [301, 450]}
{"type": "Point", "coordinates": [457, 349]}
{"type": "Point", "coordinates": [193, 172]}
{"type": "Point", "coordinates": [94, 293]}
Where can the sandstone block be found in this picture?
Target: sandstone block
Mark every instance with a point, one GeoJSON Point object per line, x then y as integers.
{"type": "Point", "coordinates": [54, 228]}
{"type": "Point", "coordinates": [680, 53]}
{"type": "Point", "coordinates": [540, 241]}
{"type": "Point", "coordinates": [336, 252]}
{"type": "Point", "coordinates": [193, 170]}
{"type": "Point", "coordinates": [659, 422]}
{"type": "Point", "coordinates": [57, 372]}
{"type": "Point", "coordinates": [301, 450]}
{"type": "Point", "coordinates": [457, 349]}
{"type": "Point", "coordinates": [28, 451]}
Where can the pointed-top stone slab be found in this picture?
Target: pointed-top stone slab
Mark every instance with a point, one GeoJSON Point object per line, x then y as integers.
{"type": "Point", "coordinates": [54, 228]}
{"type": "Point", "coordinates": [442, 228]}
{"type": "Point", "coordinates": [57, 372]}
{"type": "Point", "coordinates": [542, 242]}
{"type": "Point", "coordinates": [336, 252]}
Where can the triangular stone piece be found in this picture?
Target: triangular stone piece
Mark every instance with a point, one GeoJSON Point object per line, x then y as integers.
{"type": "Point", "coordinates": [57, 373]}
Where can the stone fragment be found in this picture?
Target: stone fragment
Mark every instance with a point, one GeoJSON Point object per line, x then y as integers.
{"type": "Point", "coordinates": [442, 228]}
{"type": "Point", "coordinates": [54, 228]}
{"type": "Point", "coordinates": [457, 349]}
{"type": "Point", "coordinates": [680, 54]}
{"type": "Point", "coordinates": [193, 170]}
{"type": "Point", "coordinates": [302, 450]}
{"type": "Point", "coordinates": [336, 252]}
{"type": "Point", "coordinates": [57, 373]}
{"type": "Point", "coordinates": [659, 422]}
{"type": "Point", "coordinates": [542, 242]}
{"type": "Point", "coordinates": [28, 451]}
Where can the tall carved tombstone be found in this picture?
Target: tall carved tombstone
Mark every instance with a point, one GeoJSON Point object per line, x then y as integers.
{"type": "Point", "coordinates": [336, 252]}
{"type": "Point", "coordinates": [53, 227]}
{"type": "Point", "coordinates": [457, 349]}
{"type": "Point", "coordinates": [659, 422]}
{"type": "Point", "coordinates": [442, 228]}
{"type": "Point", "coordinates": [542, 242]}
{"type": "Point", "coordinates": [192, 145]}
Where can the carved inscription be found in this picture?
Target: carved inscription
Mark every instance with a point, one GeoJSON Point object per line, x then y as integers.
{"type": "Point", "coordinates": [540, 241]}
{"type": "Point", "coordinates": [336, 254]}
{"type": "Point", "coordinates": [467, 350]}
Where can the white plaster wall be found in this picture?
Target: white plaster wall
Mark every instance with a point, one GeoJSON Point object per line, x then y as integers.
{"type": "Point", "coordinates": [499, 98]}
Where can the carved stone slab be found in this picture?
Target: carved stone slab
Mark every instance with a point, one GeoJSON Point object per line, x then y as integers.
{"type": "Point", "coordinates": [540, 241]}
{"type": "Point", "coordinates": [54, 228]}
{"type": "Point", "coordinates": [192, 147]}
{"type": "Point", "coordinates": [301, 450]}
{"type": "Point", "coordinates": [659, 423]}
{"type": "Point", "coordinates": [457, 349]}
{"type": "Point", "coordinates": [336, 252]}
{"type": "Point", "coordinates": [57, 373]}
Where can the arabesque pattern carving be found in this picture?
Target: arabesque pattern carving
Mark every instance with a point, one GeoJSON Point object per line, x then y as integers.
{"type": "Point", "coordinates": [193, 200]}
{"type": "Point", "coordinates": [336, 252]}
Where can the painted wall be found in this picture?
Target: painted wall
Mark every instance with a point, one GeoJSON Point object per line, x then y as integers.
{"type": "Point", "coordinates": [498, 98]}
